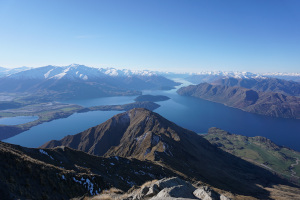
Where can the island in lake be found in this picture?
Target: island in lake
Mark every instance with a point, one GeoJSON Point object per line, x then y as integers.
{"type": "Point", "coordinates": [152, 98]}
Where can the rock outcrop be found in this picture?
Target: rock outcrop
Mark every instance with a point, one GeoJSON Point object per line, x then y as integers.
{"type": "Point", "coordinates": [168, 189]}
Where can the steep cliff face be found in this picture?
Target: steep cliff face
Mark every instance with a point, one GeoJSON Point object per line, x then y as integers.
{"type": "Point", "coordinates": [264, 103]}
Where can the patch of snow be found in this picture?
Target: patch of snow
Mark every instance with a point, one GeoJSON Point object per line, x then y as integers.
{"type": "Point", "coordinates": [45, 153]}
{"type": "Point", "coordinates": [60, 75]}
{"type": "Point", "coordinates": [167, 150]}
{"type": "Point", "coordinates": [112, 72]}
{"type": "Point", "coordinates": [155, 140]}
{"type": "Point", "coordinates": [63, 177]}
{"type": "Point", "coordinates": [131, 183]}
{"type": "Point", "coordinates": [112, 163]}
{"type": "Point", "coordinates": [48, 73]}
{"type": "Point", "coordinates": [75, 180]}
{"type": "Point", "coordinates": [147, 151]}
{"type": "Point", "coordinates": [116, 157]}
{"type": "Point", "coordinates": [141, 138]}
{"type": "Point", "coordinates": [88, 184]}
{"type": "Point", "coordinates": [151, 175]}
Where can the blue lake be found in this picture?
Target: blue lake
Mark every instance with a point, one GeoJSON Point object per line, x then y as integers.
{"type": "Point", "coordinates": [191, 113]}
{"type": "Point", "coordinates": [17, 120]}
{"type": "Point", "coordinates": [55, 130]}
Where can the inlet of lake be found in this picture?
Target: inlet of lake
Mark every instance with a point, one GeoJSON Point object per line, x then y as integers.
{"type": "Point", "coordinates": [195, 114]}
{"type": "Point", "coordinates": [17, 120]}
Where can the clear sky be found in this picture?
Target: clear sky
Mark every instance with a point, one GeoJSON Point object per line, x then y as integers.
{"type": "Point", "coordinates": [171, 35]}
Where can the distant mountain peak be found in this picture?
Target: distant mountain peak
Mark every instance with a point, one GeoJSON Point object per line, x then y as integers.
{"type": "Point", "coordinates": [75, 71]}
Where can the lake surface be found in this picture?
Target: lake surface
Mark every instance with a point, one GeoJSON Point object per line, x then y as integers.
{"type": "Point", "coordinates": [56, 129]}
{"type": "Point", "coordinates": [17, 120]}
{"type": "Point", "coordinates": [191, 113]}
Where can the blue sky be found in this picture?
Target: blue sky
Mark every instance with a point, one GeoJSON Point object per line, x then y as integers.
{"type": "Point", "coordinates": [175, 35]}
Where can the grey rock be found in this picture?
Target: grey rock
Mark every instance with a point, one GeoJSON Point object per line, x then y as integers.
{"type": "Point", "coordinates": [205, 193]}
{"type": "Point", "coordinates": [179, 191]}
{"type": "Point", "coordinates": [174, 189]}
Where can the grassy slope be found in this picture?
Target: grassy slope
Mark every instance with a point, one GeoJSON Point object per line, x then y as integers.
{"type": "Point", "coordinates": [258, 150]}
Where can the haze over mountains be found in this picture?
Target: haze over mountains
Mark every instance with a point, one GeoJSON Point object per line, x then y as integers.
{"type": "Point", "coordinates": [79, 81]}
{"type": "Point", "coordinates": [194, 77]}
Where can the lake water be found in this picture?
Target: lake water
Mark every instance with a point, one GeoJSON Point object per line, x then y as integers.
{"type": "Point", "coordinates": [56, 129]}
{"type": "Point", "coordinates": [191, 113]}
{"type": "Point", "coordinates": [17, 120]}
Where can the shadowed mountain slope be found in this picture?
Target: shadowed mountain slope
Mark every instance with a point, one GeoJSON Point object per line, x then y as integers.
{"type": "Point", "coordinates": [289, 88]}
{"type": "Point", "coordinates": [264, 103]}
{"type": "Point", "coordinates": [146, 135]}
{"type": "Point", "coordinates": [64, 173]}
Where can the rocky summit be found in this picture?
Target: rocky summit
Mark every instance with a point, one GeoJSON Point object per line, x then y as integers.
{"type": "Point", "coordinates": [64, 173]}
{"type": "Point", "coordinates": [172, 188]}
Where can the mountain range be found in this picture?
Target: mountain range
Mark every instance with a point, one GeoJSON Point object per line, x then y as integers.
{"type": "Point", "coordinates": [79, 81]}
{"type": "Point", "coordinates": [289, 88]}
{"type": "Point", "coordinates": [146, 136]}
{"type": "Point", "coordinates": [6, 71]}
{"type": "Point", "coordinates": [264, 103]}
{"type": "Point", "coordinates": [194, 77]}
{"type": "Point", "coordinates": [212, 76]}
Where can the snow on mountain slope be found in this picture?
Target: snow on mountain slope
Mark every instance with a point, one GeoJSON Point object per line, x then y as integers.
{"type": "Point", "coordinates": [5, 71]}
{"type": "Point", "coordinates": [234, 74]}
{"type": "Point", "coordinates": [76, 71]}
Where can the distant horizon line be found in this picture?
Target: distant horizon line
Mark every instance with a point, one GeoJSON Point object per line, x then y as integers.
{"type": "Point", "coordinates": [163, 71]}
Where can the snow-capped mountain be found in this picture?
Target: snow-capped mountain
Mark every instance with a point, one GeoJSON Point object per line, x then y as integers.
{"type": "Point", "coordinates": [127, 72]}
{"type": "Point", "coordinates": [6, 71]}
{"type": "Point", "coordinates": [285, 76]}
{"type": "Point", "coordinates": [79, 81]}
{"type": "Point", "coordinates": [211, 76]}
{"type": "Point", "coordinates": [227, 74]}
{"type": "Point", "coordinates": [76, 71]}
{"type": "Point", "coordinates": [55, 72]}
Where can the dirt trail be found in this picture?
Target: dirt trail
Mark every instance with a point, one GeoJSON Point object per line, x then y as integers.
{"type": "Point", "coordinates": [293, 173]}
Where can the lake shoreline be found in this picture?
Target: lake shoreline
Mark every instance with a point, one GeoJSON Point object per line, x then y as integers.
{"type": "Point", "coordinates": [13, 130]}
